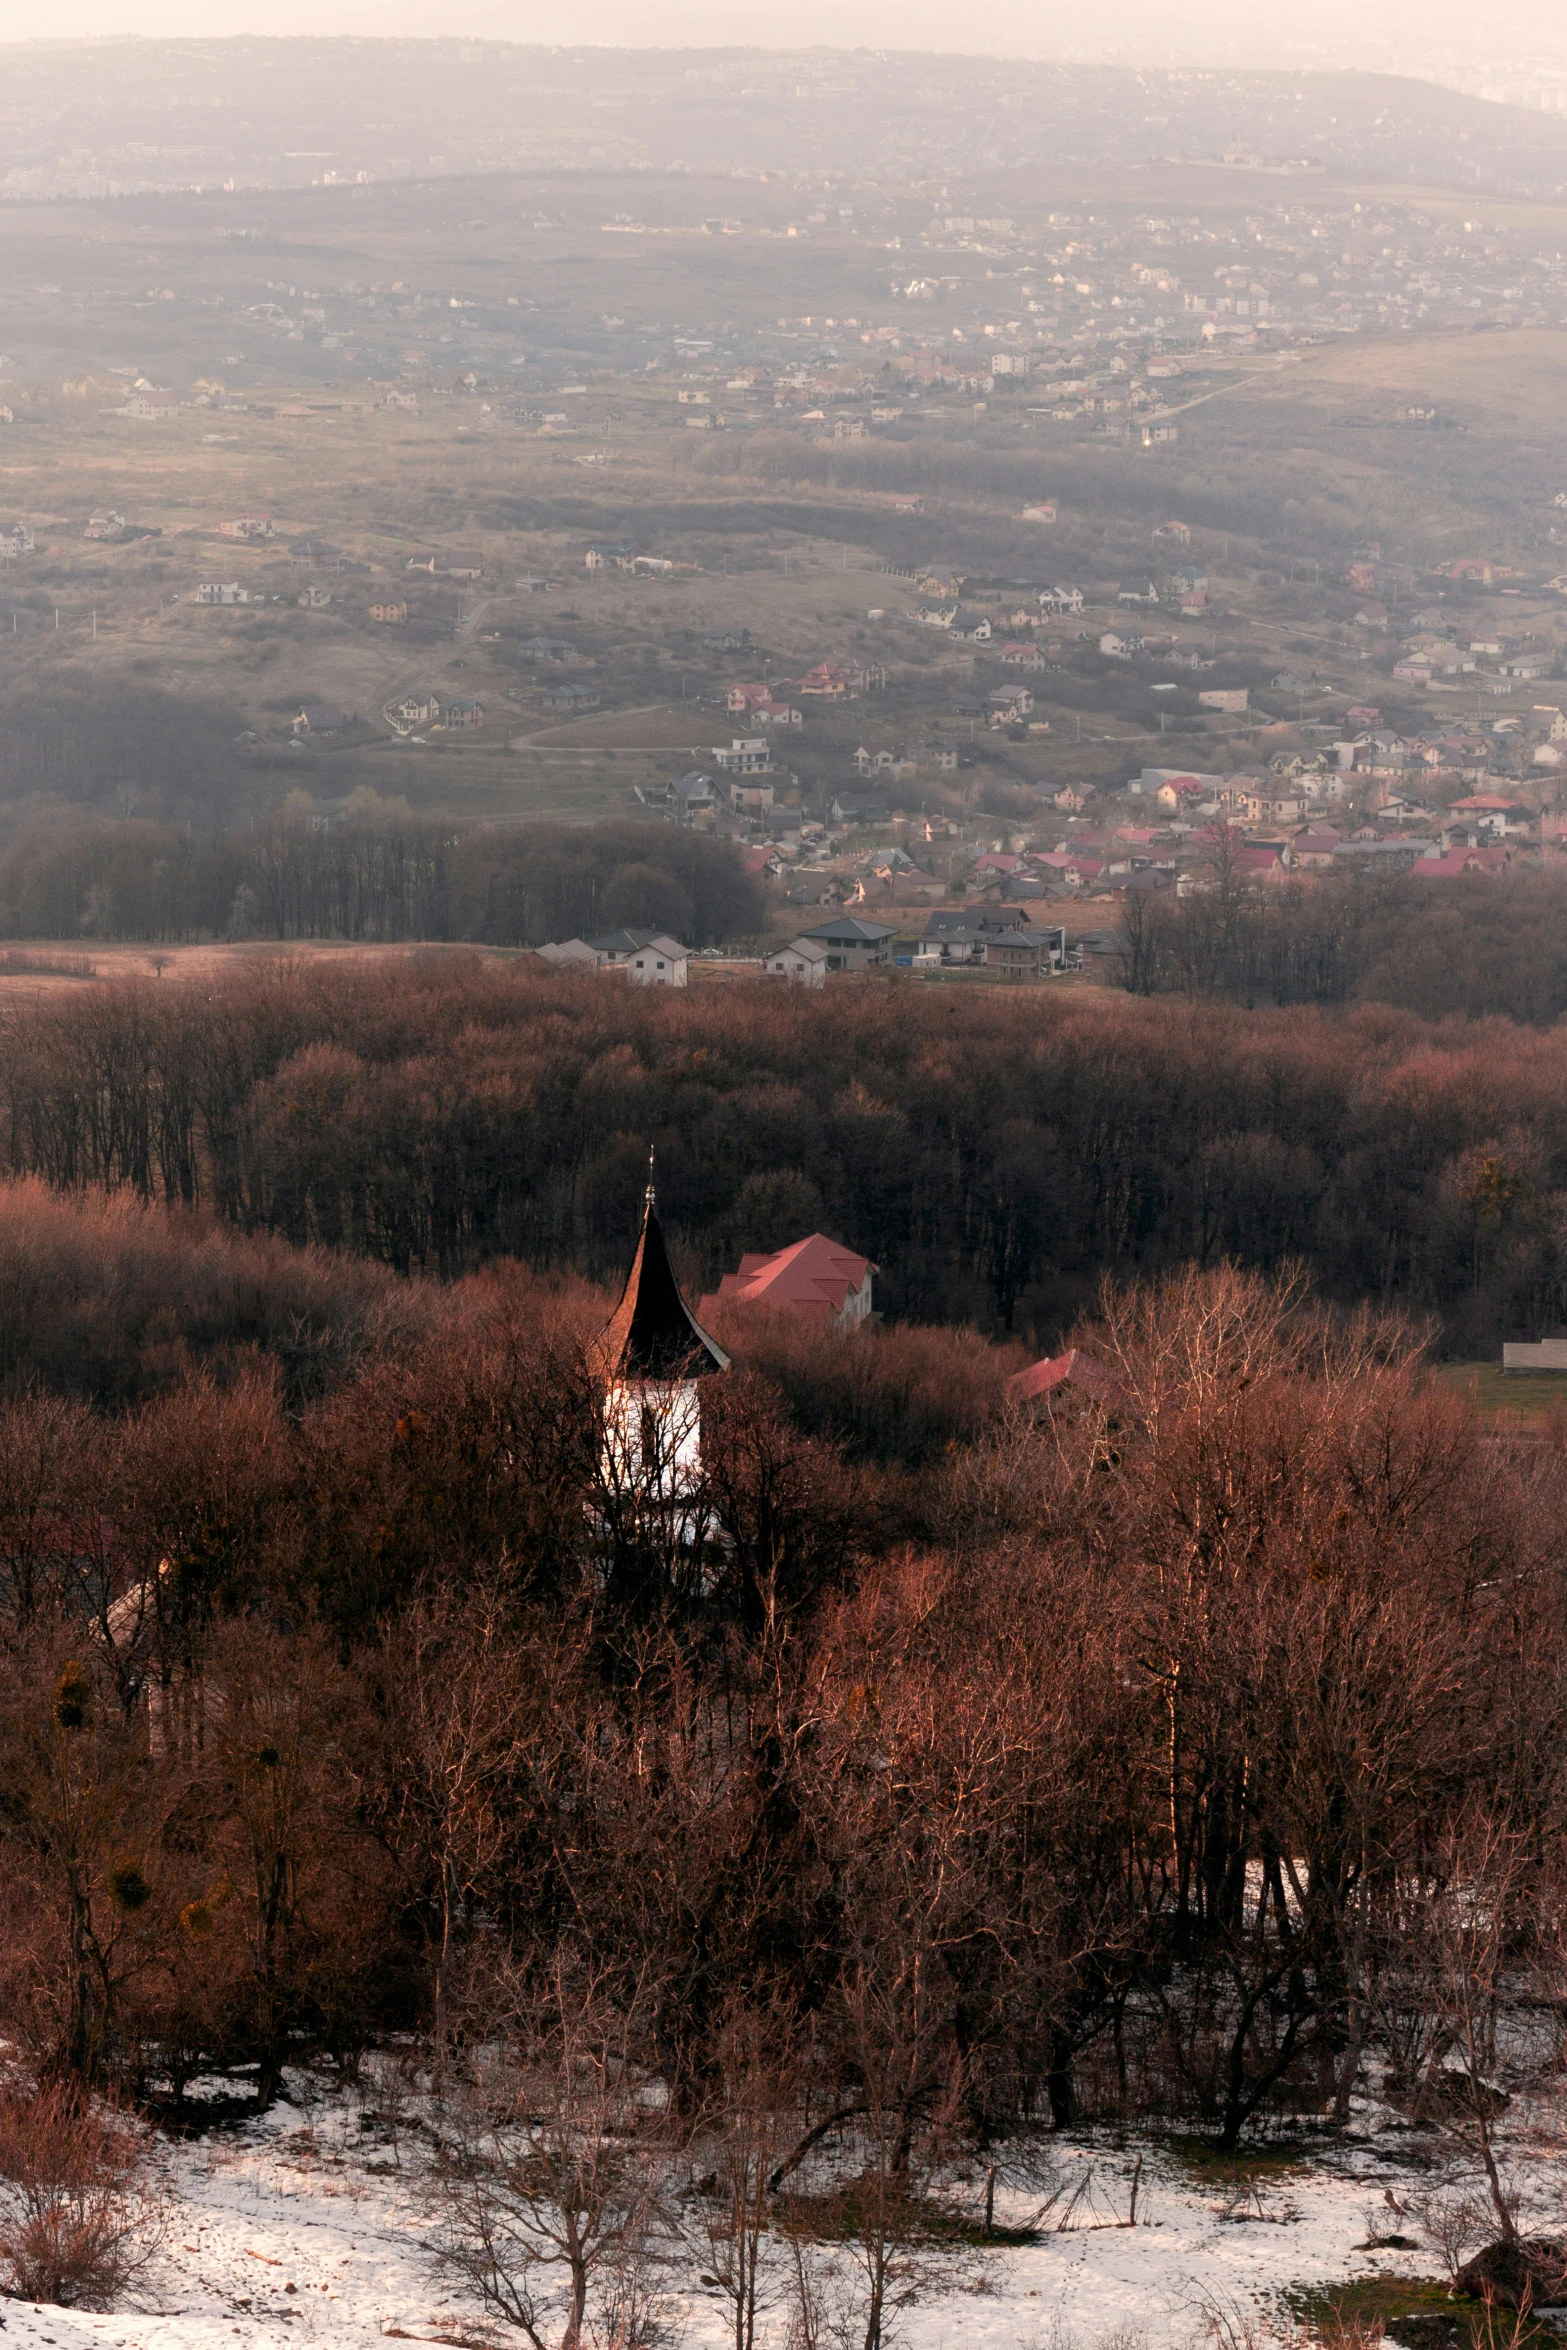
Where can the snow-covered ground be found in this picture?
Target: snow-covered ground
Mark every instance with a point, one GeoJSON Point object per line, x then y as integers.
{"type": "Point", "coordinates": [306, 2225]}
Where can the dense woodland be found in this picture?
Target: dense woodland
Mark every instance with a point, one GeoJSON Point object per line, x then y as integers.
{"type": "Point", "coordinates": [989, 1775]}
{"type": "Point", "coordinates": [1468, 947]}
{"type": "Point", "coordinates": [366, 877]}
{"type": "Point", "coordinates": [1183, 1755]}
{"type": "Point", "coordinates": [995, 1153]}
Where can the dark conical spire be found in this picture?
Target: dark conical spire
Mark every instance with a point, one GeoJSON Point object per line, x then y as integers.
{"type": "Point", "coordinates": [653, 1333]}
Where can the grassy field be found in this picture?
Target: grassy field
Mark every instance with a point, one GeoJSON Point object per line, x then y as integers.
{"type": "Point", "coordinates": [1529, 1398]}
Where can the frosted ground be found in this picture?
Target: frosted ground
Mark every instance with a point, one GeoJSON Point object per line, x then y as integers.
{"type": "Point", "coordinates": [307, 2225]}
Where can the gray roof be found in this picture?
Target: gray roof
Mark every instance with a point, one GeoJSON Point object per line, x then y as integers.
{"type": "Point", "coordinates": [849, 930]}
{"type": "Point", "coordinates": [630, 942]}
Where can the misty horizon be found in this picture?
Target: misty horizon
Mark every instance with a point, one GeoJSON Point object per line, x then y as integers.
{"type": "Point", "coordinates": [1445, 43]}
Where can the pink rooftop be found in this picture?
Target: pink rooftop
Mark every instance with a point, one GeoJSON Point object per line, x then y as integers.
{"type": "Point", "coordinates": [813, 1275]}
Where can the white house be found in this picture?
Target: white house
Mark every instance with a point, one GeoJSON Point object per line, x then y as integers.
{"type": "Point", "coordinates": [648, 957]}
{"type": "Point", "coordinates": [748, 754]}
{"type": "Point", "coordinates": [805, 963]}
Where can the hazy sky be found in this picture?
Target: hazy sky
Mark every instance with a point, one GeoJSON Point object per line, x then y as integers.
{"type": "Point", "coordinates": [1197, 31]}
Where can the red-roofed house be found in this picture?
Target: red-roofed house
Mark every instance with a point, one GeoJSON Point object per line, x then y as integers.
{"type": "Point", "coordinates": [1315, 849]}
{"type": "Point", "coordinates": [825, 682]}
{"type": "Point", "coordinates": [1456, 862]}
{"type": "Point", "coordinates": [1045, 1383]}
{"type": "Point", "coordinates": [814, 1276]}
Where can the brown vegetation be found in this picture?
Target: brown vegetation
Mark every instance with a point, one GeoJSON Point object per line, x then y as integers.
{"type": "Point", "coordinates": [1101, 1766]}
{"type": "Point", "coordinates": [76, 2222]}
{"type": "Point", "coordinates": [994, 1155]}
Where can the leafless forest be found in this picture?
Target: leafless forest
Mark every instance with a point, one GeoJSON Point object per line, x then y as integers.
{"type": "Point", "coordinates": [1165, 1759]}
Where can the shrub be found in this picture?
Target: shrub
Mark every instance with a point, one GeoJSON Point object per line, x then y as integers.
{"type": "Point", "coordinates": [75, 2225]}
{"type": "Point", "coordinates": [899, 1392]}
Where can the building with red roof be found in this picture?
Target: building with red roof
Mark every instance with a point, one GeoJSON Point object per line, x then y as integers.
{"type": "Point", "coordinates": [813, 1276]}
{"type": "Point", "coordinates": [1047, 1381]}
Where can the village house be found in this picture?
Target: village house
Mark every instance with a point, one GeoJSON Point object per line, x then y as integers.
{"type": "Point", "coordinates": [804, 963]}
{"type": "Point", "coordinates": [748, 754]}
{"type": "Point", "coordinates": [1181, 794]}
{"type": "Point", "coordinates": [1487, 816]}
{"type": "Point", "coordinates": [1010, 705]}
{"type": "Point", "coordinates": [246, 527]}
{"type": "Point", "coordinates": [814, 1276]}
{"type": "Point", "coordinates": [318, 718]}
{"type": "Point", "coordinates": [152, 407]}
{"type": "Point", "coordinates": [15, 539]}
{"type": "Point", "coordinates": [858, 808]}
{"type": "Point", "coordinates": [1071, 1381]}
{"type": "Point", "coordinates": [1314, 851]}
{"type": "Point", "coordinates": [571, 697]}
{"type": "Point", "coordinates": [749, 795]}
{"type": "Point", "coordinates": [459, 567]}
{"type": "Point", "coordinates": [415, 709]}
{"type": "Point", "coordinates": [648, 957]}
{"type": "Point", "coordinates": [884, 759]}
{"type": "Point", "coordinates": [462, 715]}
{"type": "Point", "coordinates": [104, 526]}
{"type": "Point", "coordinates": [220, 591]}
{"type": "Point", "coordinates": [825, 683]}
{"type": "Point", "coordinates": [692, 797]}
{"type": "Point", "coordinates": [938, 758]}
{"type": "Point", "coordinates": [1030, 954]}
{"type": "Point", "coordinates": [389, 615]}
{"type": "Point", "coordinates": [852, 943]}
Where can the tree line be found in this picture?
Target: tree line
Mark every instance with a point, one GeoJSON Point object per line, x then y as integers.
{"type": "Point", "coordinates": [293, 876]}
{"type": "Point", "coordinates": [1469, 947]}
{"type": "Point", "coordinates": [995, 1153]}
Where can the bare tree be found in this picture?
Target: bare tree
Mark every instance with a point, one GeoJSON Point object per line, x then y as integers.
{"type": "Point", "coordinates": [756, 2098]}
{"type": "Point", "coordinates": [550, 2195]}
{"type": "Point", "coordinates": [459, 1707]}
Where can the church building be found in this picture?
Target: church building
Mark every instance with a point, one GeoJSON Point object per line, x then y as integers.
{"type": "Point", "coordinates": [651, 1358]}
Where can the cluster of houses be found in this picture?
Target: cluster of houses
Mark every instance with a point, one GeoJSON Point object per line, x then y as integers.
{"type": "Point", "coordinates": [999, 939]}
{"type": "Point", "coordinates": [647, 958]}
{"type": "Point", "coordinates": [419, 712]}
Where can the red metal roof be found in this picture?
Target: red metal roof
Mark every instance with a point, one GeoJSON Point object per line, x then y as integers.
{"type": "Point", "coordinates": [1043, 1378]}
{"type": "Point", "coordinates": [814, 1275]}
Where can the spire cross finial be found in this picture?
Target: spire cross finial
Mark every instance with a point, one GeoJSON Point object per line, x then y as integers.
{"type": "Point", "coordinates": [650, 1188]}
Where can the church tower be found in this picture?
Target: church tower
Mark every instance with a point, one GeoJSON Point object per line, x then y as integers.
{"type": "Point", "coordinates": [650, 1359]}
